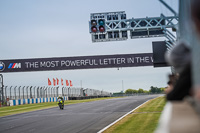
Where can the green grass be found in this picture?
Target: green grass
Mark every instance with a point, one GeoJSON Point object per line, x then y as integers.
{"type": "Point", "coordinates": [142, 120]}
{"type": "Point", "coordinates": [10, 110]}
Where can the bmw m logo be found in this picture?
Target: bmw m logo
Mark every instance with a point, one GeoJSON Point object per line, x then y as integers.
{"type": "Point", "coordinates": [2, 66]}
{"type": "Point", "coordinates": [14, 65]}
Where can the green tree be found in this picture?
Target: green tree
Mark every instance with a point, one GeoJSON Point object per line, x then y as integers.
{"type": "Point", "coordinates": [162, 89]}
{"type": "Point", "coordinates": [129, 91]}
{"type": "Point", "coordinates": [156, 90]}
{"type": "Point", "coordinates": [118, 93]}
{"type": "Point", "coordinates": [159, 90]}
{"type": "Point", "coordinates": [140, 91]}
{"type": "Point", "coordinates": [152, 89]}
{"type": "Point", "coordinates": [135, 91]}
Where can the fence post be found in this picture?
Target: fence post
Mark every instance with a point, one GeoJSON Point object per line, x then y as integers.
{"type": "Point", "coordinates": [46, 90]}
{"type": "Point", "coordinates": [54, 91]}
{"type": "Point", "coordinates": [31, 92]}
{"type": "Point", "coordinates": [62, 91]}
{"type": "Point", "coordinates": [38, 92]}
{"type": "Point", "coordinates": [65, 91]}
{"type": "Point", "coordinates": [69, 91]}
{"type": "Point", "coordinates": [34, 91]}
{"type": "Point", "coordinates": [6, 92]}
{"type": "Point", "coordinates": [15, 92]}
{"type": "Point", "coordinates": [57, 91]}
{"type": "Point", "coordinates": [23, 92]}
{"type": "Point", "coordinates": [43, 92]}
{"type": "Point", "coordinates": [51, 92]}
{"type": "Point", "coordinates": [19, 91]}
{"type": "Point", "coordinates": [1, 77]}
{"type": "Point", "coordinates": [10, 92]}
{"type": "Point", "coordinates": [27, 91]}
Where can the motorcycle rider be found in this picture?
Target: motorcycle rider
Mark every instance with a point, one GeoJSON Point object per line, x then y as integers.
{"type": "Point", "coordinates": [61, 101]}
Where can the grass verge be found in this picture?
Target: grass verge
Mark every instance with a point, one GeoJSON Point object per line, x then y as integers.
{"type": "Point", "coordinates": [142, 120]}
{"type": "Point", "coordinates": [10, 110]}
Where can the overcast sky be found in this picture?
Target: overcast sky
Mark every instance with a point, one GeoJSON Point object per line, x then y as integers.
{"type": "Point", "coordinates": [60, 28]}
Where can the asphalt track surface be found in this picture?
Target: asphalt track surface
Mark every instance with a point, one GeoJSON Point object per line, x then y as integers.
{"type": "Point", "coordinates": [89, 117]}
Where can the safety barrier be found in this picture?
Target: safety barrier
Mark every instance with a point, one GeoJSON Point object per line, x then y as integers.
{"type": "Point", "coordinates": [34, 100]}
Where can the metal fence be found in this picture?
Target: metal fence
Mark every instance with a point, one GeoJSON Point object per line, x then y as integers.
{"type": "Point", "coordinates": [93, 92]}
{"type": "Point", "coordinates": [26, 92]}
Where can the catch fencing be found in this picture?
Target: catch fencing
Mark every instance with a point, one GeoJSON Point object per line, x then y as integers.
{"type": "Point", "coordinates": [16, 95]}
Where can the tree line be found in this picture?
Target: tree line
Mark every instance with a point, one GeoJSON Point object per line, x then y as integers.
{"type": "Point", "coordinates": [151, 90]}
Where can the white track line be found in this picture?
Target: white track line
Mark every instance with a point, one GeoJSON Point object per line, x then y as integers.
{"type": "Point", "coordinates": [102, 130]}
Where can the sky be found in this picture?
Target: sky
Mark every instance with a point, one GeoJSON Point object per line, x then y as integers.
{"type": "Point", "coordinates": [60, 28]}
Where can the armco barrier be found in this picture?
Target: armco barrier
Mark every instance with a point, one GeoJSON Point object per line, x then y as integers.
{"type": "Point", "coordinates": [34, 100]}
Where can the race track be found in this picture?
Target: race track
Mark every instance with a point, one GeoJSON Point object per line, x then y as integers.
{"type": "Point", "coordinates": [87, 117]}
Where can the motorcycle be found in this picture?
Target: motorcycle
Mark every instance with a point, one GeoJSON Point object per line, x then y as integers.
{"type": "Point", "coordinates": [60, 104]}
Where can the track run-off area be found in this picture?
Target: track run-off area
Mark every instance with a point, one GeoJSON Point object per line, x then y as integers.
{"type": "Point", "coordinates": [88, 117]}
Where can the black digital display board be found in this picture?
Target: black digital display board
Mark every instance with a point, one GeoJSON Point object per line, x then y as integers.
{"type": "Point", "coordinates": [79, 62]}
